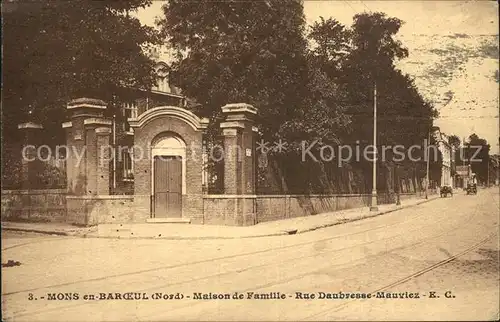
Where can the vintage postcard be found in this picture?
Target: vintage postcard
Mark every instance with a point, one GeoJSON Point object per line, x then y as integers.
{"type": "Point", "coordinates": [267, 160]}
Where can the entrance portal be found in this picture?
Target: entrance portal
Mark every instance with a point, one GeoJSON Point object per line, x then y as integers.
{"type": "Point", "coordinates": [168, 176]}
{"type": "Point", "coordinates": [167, 187]}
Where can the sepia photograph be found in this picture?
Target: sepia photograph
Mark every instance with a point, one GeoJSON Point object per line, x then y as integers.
{"type": "Point", "coordinates": [250, 160]}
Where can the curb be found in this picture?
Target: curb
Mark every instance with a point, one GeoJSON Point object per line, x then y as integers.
{"type": "Point", "coordinates": [345, 221]}
{"type": "Point", "coordinates": [282, 233]}
{"type": "Point", "coordinates": [45, 232]}
{"type": "Point", "coordinates": [38, 231]}
{"type": "Point", "coordinates": [184, 238]}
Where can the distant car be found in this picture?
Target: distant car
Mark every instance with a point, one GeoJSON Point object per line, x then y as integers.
{"type": "Point", "coordinates": [471, 189]}
{"type": "Point", "coordinates": [445, 191]}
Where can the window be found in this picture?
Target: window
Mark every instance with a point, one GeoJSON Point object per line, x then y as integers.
{"type": "Point", "coordinates": [129, 110]}
{"type": "Point", "coordinates": [128, 164]}
{"type": "Point", "coordinates": [167, 85]}
{"type": "Point", "coordinates": [163, 85]}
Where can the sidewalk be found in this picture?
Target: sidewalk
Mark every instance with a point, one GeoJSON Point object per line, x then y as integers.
{"type": "Point", "coordinates": [189, 231]}
{"type": "Point", "coordinates": [48, 228]}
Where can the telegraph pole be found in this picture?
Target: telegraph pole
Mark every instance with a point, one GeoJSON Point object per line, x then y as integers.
{"type": "Point", "coordinates": [428, 165]}
{"type": "Point", "coordinates": [497, 162]}
{"type": "Point", "coordinates": [462, 155]}
{"type": "Point", "coordinates": [488, 178]}
{"type": "Point", "coordinates": [398, 192]}
{"type": "Point", "coordinates": [114, 153]}
{"type": "Point", "coordinates": [374, 206]}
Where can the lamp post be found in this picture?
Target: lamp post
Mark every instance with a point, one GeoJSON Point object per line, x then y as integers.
{"type": "Point", "coordinates": [497, 162]}
{"type": "Point", "coordinates": [488, 177]}
{"type": "Point", "coordinates": [428, 165]}
{"type": "Point", "coordinates": [497, 181]}
{"type": "Point", "coordinates": [114, 104]}
{"type": "Point", "coordinates": [398, 191]}
{"type": "Point", "coordinates": [374, 206]}
{"type": "Point", "coordinates": [463, 156]}
{"type": "Point", "coordinates": [114, 152]}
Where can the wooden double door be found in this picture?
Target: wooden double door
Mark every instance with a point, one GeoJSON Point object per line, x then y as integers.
{"type": "Point", "coordinates": [167, 187]}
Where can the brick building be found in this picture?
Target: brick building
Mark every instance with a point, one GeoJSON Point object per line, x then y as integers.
{"type": "Point", "coordinates": [447, 161]}
{"type": "Point", "coordinates": [132, 103]}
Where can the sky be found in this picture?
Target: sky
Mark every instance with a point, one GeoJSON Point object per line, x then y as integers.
{"type": "Point", "coordinates": [453, 55]}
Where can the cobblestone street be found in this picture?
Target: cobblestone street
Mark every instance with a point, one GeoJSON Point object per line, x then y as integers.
{"type": "Point", "coordinates": [448, 246]}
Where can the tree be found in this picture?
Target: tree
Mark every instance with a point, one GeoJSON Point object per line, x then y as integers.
{"type": "Point", "coordinates": [477, 152]}
{"type": "Point", "coordinates": [331, 44]}
{"type": "Point", "coordinates": [454, 141]}
{"type": "Point", "coordinates": [404, 116]}
{"type": "Point", "coordinates": [57, 50]}
{"type": "Point", "coordinates": [355, 59]}
{"type": "Point", "coordinates": [248, 51]}
{"type": "Point", "coordinates": [256, 52]}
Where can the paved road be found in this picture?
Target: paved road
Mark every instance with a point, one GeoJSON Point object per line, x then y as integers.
{"type": "Point", "coordinates": [448, 246]}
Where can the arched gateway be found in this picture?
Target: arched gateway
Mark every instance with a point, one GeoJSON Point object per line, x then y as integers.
{"type": "Point", "coordinates": [164, 137]}
{"type": "Point", "coordinates": [167, 167]}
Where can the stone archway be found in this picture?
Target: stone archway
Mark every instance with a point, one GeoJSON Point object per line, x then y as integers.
{"type": "Point", "coordinates": [170, 141]}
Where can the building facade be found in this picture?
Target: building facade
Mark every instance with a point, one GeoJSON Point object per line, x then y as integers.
{"type": "Point", "coordinates": [447, 153]}
{"type": "Point", "coordinates": [132, 103]}
{"type": "Point", "coordinates": [167, 167]}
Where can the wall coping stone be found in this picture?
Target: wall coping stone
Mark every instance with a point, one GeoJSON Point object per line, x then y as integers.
{"type": "Point", "coordinates": [29, 125]}
{"type": "Point", "coordinates": [230, 196]}
{"type": "Point", "coordinates": [221, 196]}
{"type": "Point", "coordinates": [96, 120]}
{"type": "Point", "coordinates": [102, 197]}
{"type": "Point", "coordinates": [327, 195]}
{"type": "Point", "coordinates": [239, 108]}
{"type": "Point", "coordinates": [33, 192]}
{"type": "Point", "coordinates": [86, 102]}
{"type": "Point", "coordinates": [103, 130]}
{"type": "Point", "coordinates": [315, 195]}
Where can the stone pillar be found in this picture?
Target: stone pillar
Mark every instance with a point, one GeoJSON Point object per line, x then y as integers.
{"type": "Point", "coordinates": [87, 140]}
{"type": "Point", "coordinates": [30, 163]}
{"type": "Point", "coordinates": [239, 141]}
{"type": "Point", "coordinates": [239, 160]}
{"type": "Point", "coordinates": [104, 157]}
{"type": "Point", "coordinates": [232, 157]}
